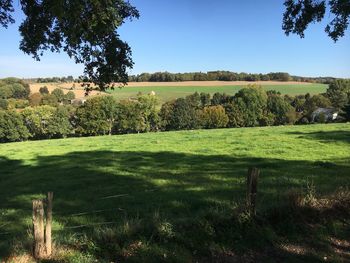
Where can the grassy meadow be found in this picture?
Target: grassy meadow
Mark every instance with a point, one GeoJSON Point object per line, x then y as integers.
{"type": "Point", "coordinates": [177, 196]}
{"type": "Point", "coordinates": [169, 92]}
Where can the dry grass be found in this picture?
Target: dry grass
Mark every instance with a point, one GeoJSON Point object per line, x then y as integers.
{"type": "Point", "coordinates": [66, 87]}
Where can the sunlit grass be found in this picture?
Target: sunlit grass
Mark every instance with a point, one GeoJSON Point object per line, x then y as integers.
{"type": "Point", "coordinates": [179, 175]}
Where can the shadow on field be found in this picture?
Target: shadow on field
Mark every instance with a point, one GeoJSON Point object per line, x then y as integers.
{"type": "Point", "coordinates": [148, 186]}
{"type": "Point", "coordinates": [325, 136]}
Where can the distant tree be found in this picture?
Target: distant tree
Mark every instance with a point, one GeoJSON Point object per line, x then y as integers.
{"type": "Point", "coordinates": [300, 13]}
{"type": "Point", "coordinates": [69, 97]}
{"type": "Point", "coordinates": [166, 114]}
{"type": "Point", "coordinates": [205, 99]}
{"type": "Point", "coordinates": [220, 99]}
{"type": "Point", "coordinates": [49, 99]}
{"type": "Point", "coordinates": [86, 31]}
{"type": "Point", "coordinates": [59, 125]}
{"type": "Point", "coordinates": [35, 99]}
{"type": "Point", "coordinates": [281, 109]}
{"type": "Point", "coordinates": [235, 113]}
{"type": "Point", "coordinates": [59, 94]}
{"type": "Point", "coordinates": [17, 103]}
{"type": "Point", "coordinates": [298, 103]}
{"type": "Point", "coordinates": [214, 117]}
{"type": "Point", "coordinates": [184, 115]}
{"type": "Point", "coordinates": [37, 120]}
{"type": "Point", "coordinates": [138, 116]}
{"type": "Point", "coordinates": [252, 102]}
{"type": "Point", "coordinates": [14, 88]}
{"type": "Point", "coordinates": [6, 92]}
{"type": "Point", "coordinates": [346, 112]}
{"type": "Point", "coordinates": [194, 100]}
{"type": "Point", "coordinates": [314, 102]}
{"type": "Point", "coordinates": [44, 90]}
{"type": "Point", "coordinates": [97, 116]}
{"type": "Point", "coordinates": [3, 104]}
{"type": "Point", "coordinates": [339, 93]}
{"type": "Point", "coordinates": [12, 128]}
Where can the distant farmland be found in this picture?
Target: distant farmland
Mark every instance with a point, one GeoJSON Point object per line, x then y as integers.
{"type": "Point", "coordinates": [171, 90]}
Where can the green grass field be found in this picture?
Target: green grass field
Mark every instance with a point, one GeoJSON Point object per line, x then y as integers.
{"type": "Point", "coordinates": [166, 93]}
{"type": "Point", "coordinates": [173, 192]}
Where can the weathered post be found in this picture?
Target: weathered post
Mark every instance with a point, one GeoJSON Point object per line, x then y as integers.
{"type": "Point", "coordinates": [48, 240]}
{"type": "Point", "coordinates": [38, 227]}
{"type": "Point", "coordinates": [252, 183]}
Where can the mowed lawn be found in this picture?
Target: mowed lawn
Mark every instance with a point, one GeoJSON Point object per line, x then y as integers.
{"type": "Point", "coordinates": [175, 178]}
{"type": "Point", "coordinates": [166, 93]}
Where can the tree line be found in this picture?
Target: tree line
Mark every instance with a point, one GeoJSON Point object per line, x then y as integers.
{"type": "Point", "coordinates": [223, 76]}
{"type": "Point", "coordinates": [103, 115]}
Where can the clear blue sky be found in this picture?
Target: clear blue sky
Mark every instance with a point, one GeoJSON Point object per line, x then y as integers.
{"type": "Point", "coordinates": [201, 35]}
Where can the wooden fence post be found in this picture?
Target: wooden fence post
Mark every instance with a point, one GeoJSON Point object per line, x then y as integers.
{"type": "Point", "coordinates": [252, 183]}
{"type": "Point", "coordinates": [38, 227]}
{"type": "Point", "coordinates": [48, 241]}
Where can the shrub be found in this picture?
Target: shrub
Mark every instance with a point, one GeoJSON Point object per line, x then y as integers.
{"type": "Point", "coordinates": [214, 117]}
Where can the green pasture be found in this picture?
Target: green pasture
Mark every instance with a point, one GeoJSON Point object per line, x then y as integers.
{"type": "Point", "coordinates": [166, 93]}
{"type": "Point", "coordinates": [161, 193]}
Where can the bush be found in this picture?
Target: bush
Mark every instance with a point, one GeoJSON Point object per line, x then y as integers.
{"type": "Point", "coordinates": [12, 128]}
{"type": "Point", "coordinates": [214, 117]}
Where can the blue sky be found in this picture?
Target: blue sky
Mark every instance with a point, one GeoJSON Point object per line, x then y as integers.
{"type": "Point", "coordinates": [201, 35]}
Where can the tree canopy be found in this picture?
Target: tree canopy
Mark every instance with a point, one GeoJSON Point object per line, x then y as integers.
{"type": "Point", "coordinates": [300, 13]}
{"type": "Point", "coordinates": [85, 30]}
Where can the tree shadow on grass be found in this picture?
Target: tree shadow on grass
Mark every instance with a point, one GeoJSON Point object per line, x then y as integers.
{"type": "Point", "coordinates": [325, 136]}
{"type": "Point", "coordinates": [114, 186]}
